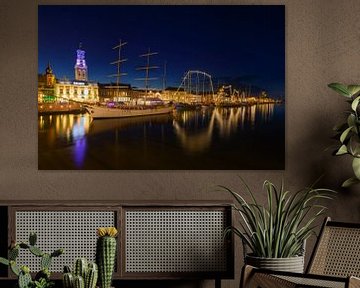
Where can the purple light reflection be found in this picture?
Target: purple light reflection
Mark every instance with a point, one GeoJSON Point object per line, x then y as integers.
{"type": "Point", "coordinates": [79, 152]}
{"type": "Point", "coordinates": [78, 135]}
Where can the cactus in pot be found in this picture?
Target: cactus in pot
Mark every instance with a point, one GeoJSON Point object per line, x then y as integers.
{"type": "Point", "coordinates": [25, 279]}
{"type": "Point", "coordinates": [81, 267]}
{"type": "Point", "coordinates": [106, 254]}
{"type": "Point", "coordinates": [42, 278]}
{"type": "Point", "coordinates": [68, 278]}
{"type": "Point", "coordinates": [91, 276]}
{"type": "Point", "coordinates": [85, 275]}
{"type": "Point", "coordinates": [79, 282]}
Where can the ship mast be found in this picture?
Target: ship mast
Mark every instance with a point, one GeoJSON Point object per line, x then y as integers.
{"type": "Point", "coordinates": [147, 69]}
{"type": "Point", "coordinates": [118, 63]}
{"type": "Point", "coordinates": [164, 77]}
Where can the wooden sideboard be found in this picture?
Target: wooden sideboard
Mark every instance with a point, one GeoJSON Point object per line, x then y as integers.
{"type": "Point", "coordinates": [164, 240]}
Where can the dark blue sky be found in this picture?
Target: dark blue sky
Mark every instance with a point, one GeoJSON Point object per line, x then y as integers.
{"type": "Point", "coordinates": [238, 43]}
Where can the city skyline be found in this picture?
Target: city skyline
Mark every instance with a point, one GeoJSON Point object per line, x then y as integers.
{"type": "Point", "coordinates": [240, 44]}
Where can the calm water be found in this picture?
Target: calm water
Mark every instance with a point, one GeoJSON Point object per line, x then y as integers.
{"type": "Point", "coordinates": [221, 138]}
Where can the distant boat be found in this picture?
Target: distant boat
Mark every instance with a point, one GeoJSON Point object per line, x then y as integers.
{"type": "Point", "coordinates": [102, 112]}
{"type": "Point", "coordinates": [142, 107]}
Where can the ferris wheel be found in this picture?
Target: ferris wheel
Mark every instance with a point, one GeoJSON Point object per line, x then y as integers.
{"type": "Point", "coordinates": [196, 83]}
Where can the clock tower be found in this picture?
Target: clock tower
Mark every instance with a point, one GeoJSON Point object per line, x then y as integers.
{"type": "Point", "coordinates": [81, 73]}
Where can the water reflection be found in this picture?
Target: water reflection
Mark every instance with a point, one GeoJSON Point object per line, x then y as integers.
{"type": "Point", "coordinates": [196, 129]}
{"type": "Point", "coordinates": [104, 125]}
{"type": "Point", "coordinates": [64, 129]}
{"type": "Point", "coordinates": [218, 138]}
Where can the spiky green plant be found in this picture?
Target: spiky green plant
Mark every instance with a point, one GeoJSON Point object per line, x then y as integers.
{"type": "Point", "coordinates": [349, 132]}
{"type": "Point", "coordinates": [84, 273]}
{"type": "Point", "coordinates": [91, 276]}
{"type": "Point", "coordinates": [79, 282]}
{"type": "Point", "coordinates": [24, 280]}
{"type": "Point", "coordinates": [279, 229]}
{"type": "Point", "coordinates": [42, 278]}
{"type": "Point", "coordinates": [80, 267]}
{"type": "Point", "coordinates": [68, 280]}
{"type": "Point", "coordinates": [106, 254]}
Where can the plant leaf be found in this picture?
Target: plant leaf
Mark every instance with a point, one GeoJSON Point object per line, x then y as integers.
{"type": "Point", "coordinates": [14, 268]}
{"type": "Point", "coordinates": [32, 238]}
{"type": "Point", "coordinates": [355, 103]}
{"type": "Point", "coordinates": [4, 261]}
{"type": "Point", "coordinates": [349, 182]}
{"type": "Point", "coordinates": [353, 89]}
{"type": "Point", "coordinates": [342, 150]}
{"type": "Point", "coordinates": [354, 146]}
{"type": "Point", "coordinates": [356, 167]}
{"type": "Point", "coordinates": [340, 88]}
{"type": "Point", "coordinates": [351, 119]}
{"type": "Point", "coordinates": [345, 134]}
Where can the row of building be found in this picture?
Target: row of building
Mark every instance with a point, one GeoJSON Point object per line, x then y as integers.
{"type": "Point", "coordinates": [55, 91]}
{"type": "Point", "coordinates": [63, 95]}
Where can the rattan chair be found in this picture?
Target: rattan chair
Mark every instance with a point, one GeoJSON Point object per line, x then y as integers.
{"type": "Point", "coordinates": [334, 263]}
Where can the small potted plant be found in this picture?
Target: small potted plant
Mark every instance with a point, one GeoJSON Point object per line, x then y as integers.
{"type": "Point", "coordinates": [84, 274]}
{"type": "Point", "coordinates": [349, 132]}
{"type": "Point", "coordinates": [276, 233]}
{"type": "Point", "coordinates": [42, 278]}
{"type": "Point", "coordinates": [106, 254]}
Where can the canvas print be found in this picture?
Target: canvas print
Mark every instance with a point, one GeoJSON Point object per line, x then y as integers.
{"type": "Point", "coordinates": [159, 87]}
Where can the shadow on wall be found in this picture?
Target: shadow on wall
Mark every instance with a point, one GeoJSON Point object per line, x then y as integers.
{"type": "Point", "coordinates": [335, 169]}
{"type": "Point", "coordinates": [314, 161]}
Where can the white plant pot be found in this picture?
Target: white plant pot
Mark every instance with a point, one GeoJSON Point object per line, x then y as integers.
{"type": "Point", "coordinates": [291, 264]}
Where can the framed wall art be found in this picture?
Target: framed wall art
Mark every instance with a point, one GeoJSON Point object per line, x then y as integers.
{"type": "Point", "coordinates": [161, 87]}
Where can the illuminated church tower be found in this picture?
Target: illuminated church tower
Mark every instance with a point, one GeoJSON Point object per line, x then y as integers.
{"type": "Point", "coordinates": [81, 73]}
{"type": "Point", "coordinates": [49, 76]}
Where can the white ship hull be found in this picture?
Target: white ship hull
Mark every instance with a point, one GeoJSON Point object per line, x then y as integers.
{"type": "Point", "coordinates": [98, 112]}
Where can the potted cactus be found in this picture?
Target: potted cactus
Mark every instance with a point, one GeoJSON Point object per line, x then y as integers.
{"type": "Point", "coordinates": [106, 254]}
{"type": "Point", "coordinates": [85, 275]}
{"type": "Point", "coordinates": [42, 278]}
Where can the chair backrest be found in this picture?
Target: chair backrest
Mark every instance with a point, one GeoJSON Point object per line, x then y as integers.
{"type": "Point", "coordinates": [337, 251]}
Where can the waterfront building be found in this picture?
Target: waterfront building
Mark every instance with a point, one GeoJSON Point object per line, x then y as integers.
{"type": "Point", "coordinates": [110, 92]}
{"type": "Point", "coordinates": [46, 86]}
{"type": "Point", "coordinates": [48, 100]}
{"type": "Point", "coordinates": [65, 96]}
{"type": "Point", "coordinates": [79, 90]}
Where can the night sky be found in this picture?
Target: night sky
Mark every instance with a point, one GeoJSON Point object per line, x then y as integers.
{"type": "Point", "coordinates": [235, 44]}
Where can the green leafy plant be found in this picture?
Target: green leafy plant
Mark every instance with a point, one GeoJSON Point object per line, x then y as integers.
{"type": "Point", "coordinates": [280, 229]}
{"type": "Point", "coordinates": [43, 283]}
{"type": "Point", "coordinates": [42, 278]}
{"type": "Point", "coordinates": [349, 132]}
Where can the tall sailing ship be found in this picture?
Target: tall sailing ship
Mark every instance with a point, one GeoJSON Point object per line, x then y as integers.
{"type": "Point", "coordinates": [142, 106]}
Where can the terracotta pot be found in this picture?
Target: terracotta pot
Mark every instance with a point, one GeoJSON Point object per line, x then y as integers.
{"type": "Point", "coordinates": [291, 264]}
